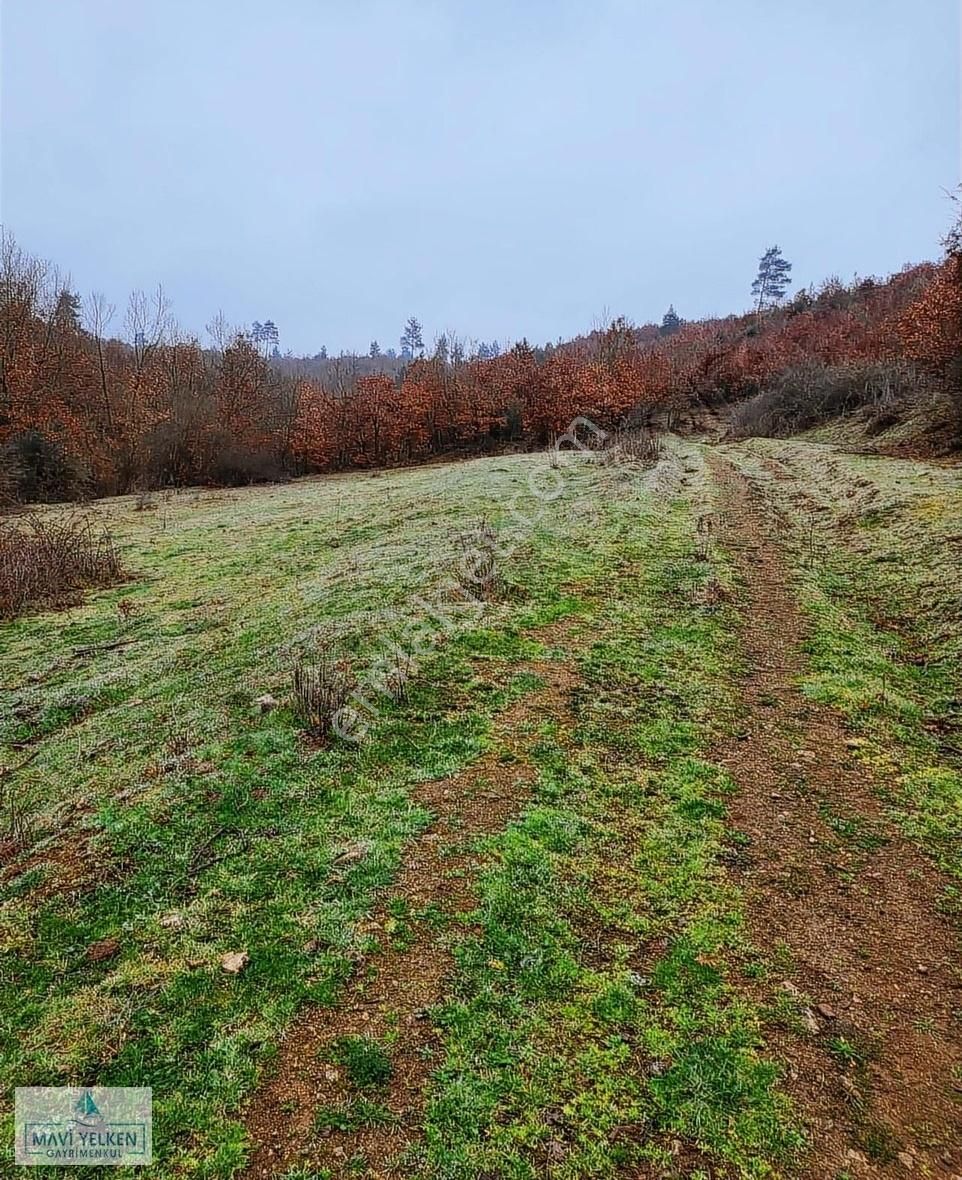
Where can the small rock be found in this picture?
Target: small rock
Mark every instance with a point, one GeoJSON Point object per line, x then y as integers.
{"type": "Point", "coordinates": [922, 969]}
{"type": "Point", "coordinates": [351, 853]}
{"type": "Point", "coordinates": [234, 961]}
{"type": "Point", "coordinates": [826, 1011]}
{"type": "Point", "coordinates": [172, 921]}
{"type": "Point", "coordinates": [106, 948]}
{"type": "Point", "coordinates": [808, 1019]}
{"type": "Point", "coordinates": [907, 1160]}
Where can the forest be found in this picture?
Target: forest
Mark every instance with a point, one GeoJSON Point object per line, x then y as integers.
{"type": "Point", "coordinates": [87, 410]}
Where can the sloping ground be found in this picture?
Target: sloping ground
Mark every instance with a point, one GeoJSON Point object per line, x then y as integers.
{"type": "Point", "coordinates": [925, 428]}
{"type": "Point", "coordinates": [852, 900]}
{"type": "Point", "coordinates": [650, 875]}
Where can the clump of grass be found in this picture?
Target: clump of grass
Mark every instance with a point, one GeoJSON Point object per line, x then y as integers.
{"type": "Point", "coordinates": [17, 813]}
{"type": "Point", "coordinates": [45, 561]}
{"type": "Point", "coordinates": [365, 1059]}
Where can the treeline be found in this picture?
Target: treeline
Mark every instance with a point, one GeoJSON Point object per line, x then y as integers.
{"type": "Point", "coordinates": [83, 412]}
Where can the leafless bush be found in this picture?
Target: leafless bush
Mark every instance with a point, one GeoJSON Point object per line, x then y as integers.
{"type": "Point", "coordinates": [401, 666]}
{"type": "Point", "coordinates": [809, 394]}
{"type": "Point", "coordinates": [638, 444]}
{"type": "Point", "coordinates": [475, 568]}
{"type": "Point", "coordinates": [44, 561]}
{"type": "Point", "coordinates": [322, 688]}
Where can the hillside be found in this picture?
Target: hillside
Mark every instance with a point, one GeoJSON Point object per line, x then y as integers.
{"type": "Point", "coordinates": [84, 412]}
{"type": "Point", "coordinates": [647, 866]}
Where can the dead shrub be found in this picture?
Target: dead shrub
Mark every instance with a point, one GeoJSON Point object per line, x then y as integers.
{"type": "Point", "coordinates": [475, 568]}
{"type": "Point", "coordinates": [638, 444]}
{"type": "Point", "coordinates": [811, 393]}
{"type": "Point", "coordinates": [322, 688]}
{"type": "Point", "coordinates": [401, 668]}
{"type": "Point", "coordinates": [45, 561]}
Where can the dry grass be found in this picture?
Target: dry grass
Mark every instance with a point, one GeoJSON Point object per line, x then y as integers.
{"type": "Point", "coordinates": [44, 562]}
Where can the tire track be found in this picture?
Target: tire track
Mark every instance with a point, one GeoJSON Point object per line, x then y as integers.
{"type": "Point", "coordinates": [877, 1074]}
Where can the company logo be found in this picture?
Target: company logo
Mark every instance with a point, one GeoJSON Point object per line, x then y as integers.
{"type": "Point", "coordinates": [95, 1126]}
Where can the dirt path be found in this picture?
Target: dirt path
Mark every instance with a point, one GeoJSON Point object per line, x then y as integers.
{"type": "Point", "coordinates": [877, 1071]}
{"type": "Point", "coordinates": [391, 992]}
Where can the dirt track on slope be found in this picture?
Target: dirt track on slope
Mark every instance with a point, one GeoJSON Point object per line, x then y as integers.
{"type": "Point", "coordinates": [877, 1073]}
{"type": "Point", "coordinates": [393, 990]}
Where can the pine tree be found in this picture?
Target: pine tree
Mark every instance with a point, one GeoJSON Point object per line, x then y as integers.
{"type": "Point", "coordinates": [772, 281]}
{"type": "Point", "coordinates": [671, 321]}
{"type": "Point", "coordinates": [375, 350]}
{"type": "Point", "coordinates": [412, 342]}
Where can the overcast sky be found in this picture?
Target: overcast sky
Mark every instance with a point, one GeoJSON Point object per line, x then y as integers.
{"type": "Point", "coordinates": [499, 168]}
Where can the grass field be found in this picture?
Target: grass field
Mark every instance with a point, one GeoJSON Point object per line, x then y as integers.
{"type": "Point", "coordinates": [514, 931]}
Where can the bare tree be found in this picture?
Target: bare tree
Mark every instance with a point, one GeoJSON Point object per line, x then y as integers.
{"type": "Point", "coordinates": [148, 323]}
{"type": "Point", "coordinates": [98, 313]}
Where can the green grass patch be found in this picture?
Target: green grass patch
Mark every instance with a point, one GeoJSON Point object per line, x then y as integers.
{"type": "Point", "coordinates": [586, 1054]}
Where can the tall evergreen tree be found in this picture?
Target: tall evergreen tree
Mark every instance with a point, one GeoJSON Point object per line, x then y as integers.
{"type": "Point", "coordinates": [412, 342]}
{"type": "Point", "coordinates": [773, 279]}
{"type": "Point", "coordinates": [670, 321]}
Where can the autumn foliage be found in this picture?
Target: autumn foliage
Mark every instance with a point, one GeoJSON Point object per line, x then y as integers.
{"type": "Point", "coordinates": [84, 412]}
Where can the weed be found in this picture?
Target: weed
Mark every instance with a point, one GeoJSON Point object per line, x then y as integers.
{"type": "Point", "coordinates": [367, 1062]}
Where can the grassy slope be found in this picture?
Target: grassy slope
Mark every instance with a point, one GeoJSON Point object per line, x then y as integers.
{"type": "Point", "coordinates": [589, 1054]}
{"type": "Point", "coordinates": [212, 828]}
{"type": "Point", "coordinates": [877, 547]}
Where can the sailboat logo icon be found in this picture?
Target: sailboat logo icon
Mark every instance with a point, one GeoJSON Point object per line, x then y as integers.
{"type": "Point", "coordinates": [86, 1108]}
